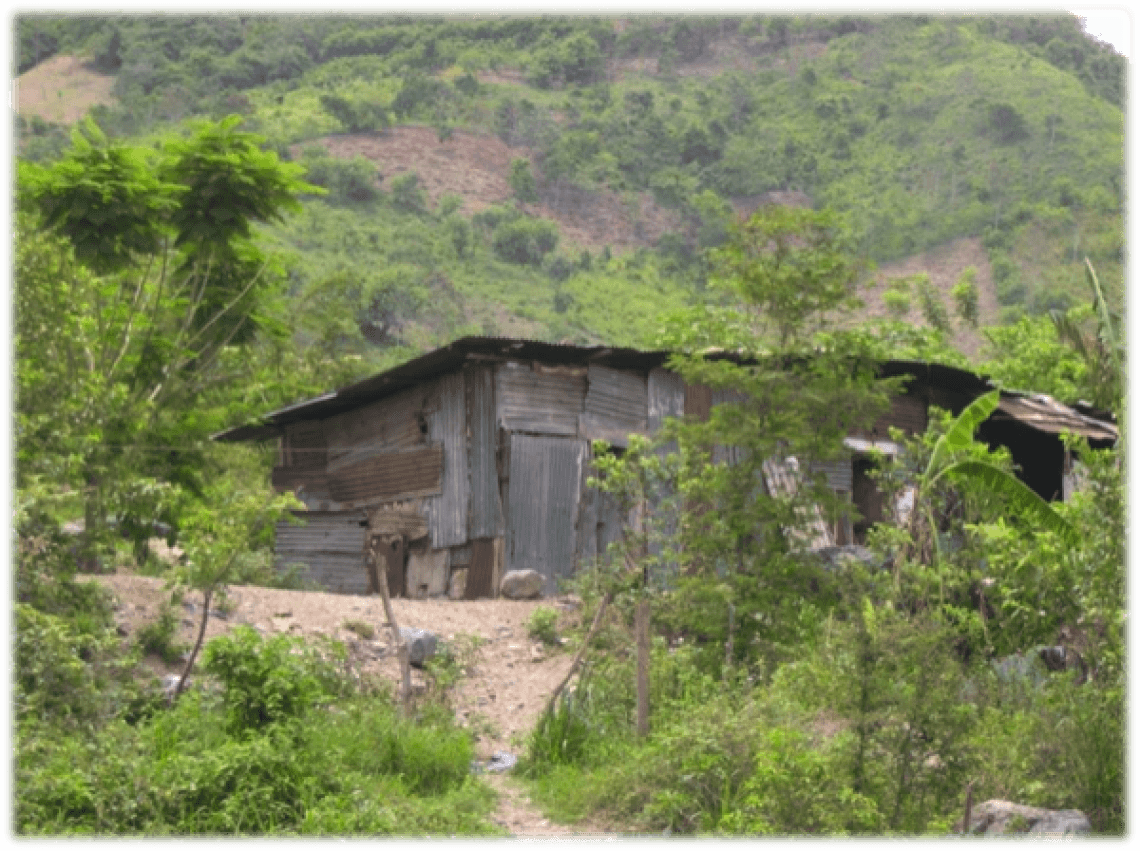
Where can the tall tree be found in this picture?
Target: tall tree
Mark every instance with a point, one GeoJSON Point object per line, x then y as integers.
{"type": "Point", "coordinates": [136, 275]}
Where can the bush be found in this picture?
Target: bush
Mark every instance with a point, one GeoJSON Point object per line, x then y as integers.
{"type": "Point", "coordinates": [524, 241]}
{"type": "Point", "coordinates": [522, 181]}
{"type": "Point", "coordinates": [265, 681]}
{"type": "Point", "coordinates": [347, 181]}
{"type": "Point", "coordinates": [159, 637]}
{"type": "Point", "coordinates": [407, 194]}
{"type": "Point", "coordinates": [542, 625]}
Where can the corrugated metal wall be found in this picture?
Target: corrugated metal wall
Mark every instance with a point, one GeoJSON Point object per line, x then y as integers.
{"type": "Point", "coordinates": [837, 471]}
{"type": "Point", "coordinates": [393, 423]}
{"type": "Point", "coordinates": [330, 545]}
{"type": "Point", "coordinates": [616, 404]}
{"type": "Point", "coordinates": [484, 511]}
{"type": "Point", "coordinates": [447, 425]}
{"type": "Point", "coordinates": [387, 475]}
{"type": "Point", "coordinates": [545, 484]}
{"type": "Point", "coordinates": [665, 398]}
{"type": "Point", "coordinates": [543, 401]}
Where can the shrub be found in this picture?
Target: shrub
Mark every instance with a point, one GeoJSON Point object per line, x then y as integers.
{"type": "Point", "coordinates": [407, 194]}
{"type": "Point", "coordinates": [524, 241]}
{"type": "Point", "coordinates": [542, 625]}
{"type": "Point", "coordinates": [351, 181]}
{"type": "Point", "coordinates": [159, 637]}
{"type": "Point", "coordinates": [522, 180]}
{"type": "Point", "coordinates": [266, 681]}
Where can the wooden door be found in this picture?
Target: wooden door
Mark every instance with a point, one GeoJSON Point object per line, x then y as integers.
{"type": "Point", "coordinates": [480, 572]}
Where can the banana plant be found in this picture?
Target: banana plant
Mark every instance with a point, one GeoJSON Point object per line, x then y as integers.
{"type": "Point", "coordinates": [960, 436]}
{"type": "Point", "coordinates": [1102, 350]}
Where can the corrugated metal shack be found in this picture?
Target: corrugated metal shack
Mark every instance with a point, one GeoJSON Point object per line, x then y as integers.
{"type": "Point", "coordinates": [440, 474]}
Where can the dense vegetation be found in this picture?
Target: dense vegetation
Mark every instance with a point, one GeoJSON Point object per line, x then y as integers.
{"type": "Point", "coordinates": [919, 129]}
{"type": "Point", "coordinates": [193, 257]}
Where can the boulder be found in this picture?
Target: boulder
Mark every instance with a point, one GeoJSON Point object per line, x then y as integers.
{"type": "Point", "coordinates": [422, 644]}
{"type": "Point", "coordinates": [837, 557]}
{"type": "Point", "coordinates": [522, 585]}
{"type": "Point", "coordinates": [997, 818]}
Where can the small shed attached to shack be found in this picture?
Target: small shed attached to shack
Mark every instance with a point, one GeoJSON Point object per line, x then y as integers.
{"type": "Point", "coordinates": [440, 474]}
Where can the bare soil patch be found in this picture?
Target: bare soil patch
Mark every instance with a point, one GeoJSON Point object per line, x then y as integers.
{"type": "Point", "coordinates": [477, 168]}
{"type": "Point", "coordinates": [61, 90]}
{"type": "Point", "coordinates": [945, 265]}
{"type": "Point", "coordinates": [505, 686]}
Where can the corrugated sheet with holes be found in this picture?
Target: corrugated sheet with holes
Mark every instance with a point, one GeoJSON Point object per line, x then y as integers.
{"type": "Point", "coordinates": [393, 423]}
{"type": "Point", "coordinates": [546, 479]}
{"type": "Point", "coordinates": [616, 405]}
{"type": "Point", "coordinates": [447, 426]}
{"type": "Point", "coordinates": [484, 510]}
{"type": "Point", "coordinates": [1047, 414]}
{"type": "Point", "coordinates": [782, 479]}
{"type": "Point", "coordinates": [542, 402]}
{"type": "Point", "coordinates": [389, 476]}
{"type": "Point", "coordinates": [330, 546]}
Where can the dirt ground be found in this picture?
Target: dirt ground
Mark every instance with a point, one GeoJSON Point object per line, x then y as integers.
{"type": "Point", "coordinates": [507, 680]}
{"type": "Point", "coordinates": [477, 168]}
{"type": "Point", "coordinates": [61, 89]}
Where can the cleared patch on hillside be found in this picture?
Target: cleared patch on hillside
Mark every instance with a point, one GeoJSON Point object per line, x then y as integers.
{"type": "Point", "coordinates": [61, 90]}
{"type": "Point", "coordinates": [944, 265]}
{"type": "Point", "coordinates": [477, 168]}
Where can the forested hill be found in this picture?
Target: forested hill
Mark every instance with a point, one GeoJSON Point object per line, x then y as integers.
{"type": "Point", "coordinates": [561, 178]}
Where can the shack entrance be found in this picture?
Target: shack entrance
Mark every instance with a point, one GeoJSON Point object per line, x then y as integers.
{"type": "Point", "coordinates": [544, 489]}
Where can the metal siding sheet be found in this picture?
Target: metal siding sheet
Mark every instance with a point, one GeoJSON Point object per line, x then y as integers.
{"type": "Point", "coordinates": [540, 402]}
{"type": "Point", "coordinates": [331, 548]}
{"type": "Point", "coordinates": [447, 425]}
{"type": "Point", "coordinates": [666, 397]}
{"type": "Point", "coordinates": [389, 476]}
{"type": "Point", "coordinates": [484, 510]}
{"type": "Point", "coordinates": [837, 471]}
{"type": "Point", "coordinates": [392, 423]}
{"type": "Point", "coordinates": [617, 396]}
{"type": "Point", "coordinates": [546, 475]}
{"type": "Point", "coordinates": [304, 445]}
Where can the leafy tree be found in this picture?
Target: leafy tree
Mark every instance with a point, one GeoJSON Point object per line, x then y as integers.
{"type": "Point", "coordinates": [524, 240]}
{"type": "Point", "coordinates": [134, 279]}
{"type": "Point", "coordinates": [522, 181]}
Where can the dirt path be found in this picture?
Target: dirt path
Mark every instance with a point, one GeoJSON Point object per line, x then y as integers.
{"type": "Point", "coordinates": [505, 681]}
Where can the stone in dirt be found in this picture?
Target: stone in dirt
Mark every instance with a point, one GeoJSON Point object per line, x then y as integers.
{"type": "Point", "coordinates": [996, 818]}
{"type": "Point", "coordinates": [521, 585]}
{"type": "Point", "coordinates": [422, 644]}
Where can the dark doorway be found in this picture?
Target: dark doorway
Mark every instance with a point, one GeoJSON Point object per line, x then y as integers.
{"type": "Point", "coordinates": [866, 496]}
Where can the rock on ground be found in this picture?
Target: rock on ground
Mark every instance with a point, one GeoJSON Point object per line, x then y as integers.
{"type": "Point", "coordinates": [521, 584]}
{"type": "Point", "coordinates": [421, 644]}
{"type": "Point", "coordinates": [996, 818]}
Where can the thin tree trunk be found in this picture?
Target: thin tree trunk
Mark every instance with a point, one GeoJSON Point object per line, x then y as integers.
{"type": "Point", "coordinates": [641, 626]}
{"type": "Point", "coordinates": [581, 651]}
{"type": "Point", "coordinates": [207, 595]}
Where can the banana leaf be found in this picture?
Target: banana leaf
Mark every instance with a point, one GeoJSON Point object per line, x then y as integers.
{"type": "Point", "coordinates": [1016, 492]}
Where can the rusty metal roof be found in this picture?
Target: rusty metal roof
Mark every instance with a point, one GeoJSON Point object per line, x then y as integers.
{"type": "Point", "coordinates": [1034, 410]}
{"type": "Point", "coordinates": [1045, 413]}
{"type": "Point", "coordinates": [442, 360]}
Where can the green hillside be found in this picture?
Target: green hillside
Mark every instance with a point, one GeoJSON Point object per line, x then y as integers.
{"type": "Point", "coordinates": [919, 129]}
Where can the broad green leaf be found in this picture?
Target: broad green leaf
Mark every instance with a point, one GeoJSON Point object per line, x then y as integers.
{"type": "Point", "coordinates": [1019, 495]}
{"type": "Point", "coordinates": [961, 432]}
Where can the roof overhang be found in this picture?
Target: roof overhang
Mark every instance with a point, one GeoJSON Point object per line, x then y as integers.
{"type": "Point", "coordinates": [1033, 410]}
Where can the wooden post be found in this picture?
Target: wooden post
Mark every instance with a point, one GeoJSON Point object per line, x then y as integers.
{"type": "Point", "coordinates": [401, 646]}
{"type": "Point", "coordinates": [641, 627]}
